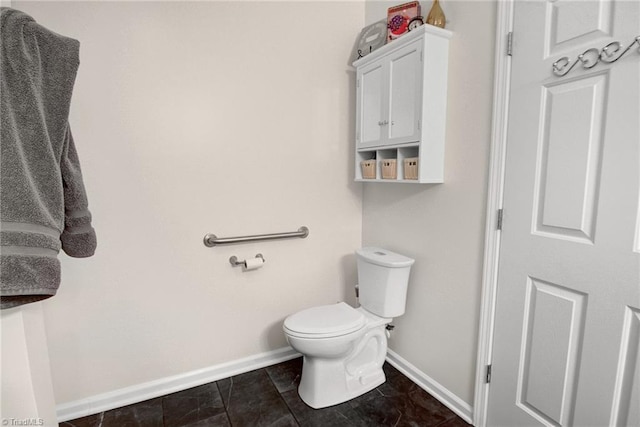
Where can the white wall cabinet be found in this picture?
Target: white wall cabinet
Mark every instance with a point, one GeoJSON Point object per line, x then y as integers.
{"type": "Point", "coordinates": [401, 105]}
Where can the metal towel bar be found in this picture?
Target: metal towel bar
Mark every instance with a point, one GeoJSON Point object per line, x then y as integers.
{"type": "Point", "coordinates": [211, 240]}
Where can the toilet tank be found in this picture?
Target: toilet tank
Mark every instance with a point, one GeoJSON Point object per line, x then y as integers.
{"type": "Point", "coordinates": [383, 277]}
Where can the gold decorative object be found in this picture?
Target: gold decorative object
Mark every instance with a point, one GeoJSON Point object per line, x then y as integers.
{"type": "Point", "coordinates": [436, 15]}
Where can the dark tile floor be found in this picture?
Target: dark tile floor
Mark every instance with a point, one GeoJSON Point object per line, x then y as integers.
{"type": "Point", "coordinates": [269, 397]}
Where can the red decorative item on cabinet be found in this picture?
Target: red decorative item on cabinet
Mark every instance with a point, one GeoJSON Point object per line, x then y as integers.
{"type": "Point", "coordinates": [398, 18]}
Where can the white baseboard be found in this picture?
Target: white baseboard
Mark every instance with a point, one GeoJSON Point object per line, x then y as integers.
{"type": "Point", "coordinates": [431, 386]}
{"type": "Point", "coordinates": [149, 390]}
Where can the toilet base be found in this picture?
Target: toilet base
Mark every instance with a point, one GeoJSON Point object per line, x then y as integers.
{"type": "Point", "coordinates": [337, 369]}
{"type": "Point", "coordinates": [324, 382]}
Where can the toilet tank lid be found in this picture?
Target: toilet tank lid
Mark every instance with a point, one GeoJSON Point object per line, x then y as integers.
{"type": "Point", "coordinates": [326, 319]}
{"type": "Point", "coordinates": [384, 257]}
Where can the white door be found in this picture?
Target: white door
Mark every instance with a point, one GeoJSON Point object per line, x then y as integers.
{"type": "Point", "coordinates": [567, 323]}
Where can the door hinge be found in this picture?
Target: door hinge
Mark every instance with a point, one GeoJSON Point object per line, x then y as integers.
{"type": "Point", "coordinates": [500, 214]}
{"type": "Point", "coordinates": [487, 378]}
{"type": "Point", "coordinates": [357, 136]}
{"type": "Point", "coordinates": [358, 83]}
{"type": "Point", "coordinates": [421, 57]}
{"type": "Point", "coordinates": [419, 124]}
{"type": "Point", "coordinates": [510, 43]}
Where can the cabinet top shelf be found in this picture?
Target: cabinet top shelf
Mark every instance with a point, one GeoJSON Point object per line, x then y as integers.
{"type": "Point", "coordinates": [413, 35]}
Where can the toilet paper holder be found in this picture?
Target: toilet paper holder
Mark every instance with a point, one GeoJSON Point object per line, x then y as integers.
{"type": "Point", "coordinates": [234, 260]}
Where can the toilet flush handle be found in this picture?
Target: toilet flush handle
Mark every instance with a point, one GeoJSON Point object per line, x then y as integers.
{"type": "Point", "coordinates": [389, 329]}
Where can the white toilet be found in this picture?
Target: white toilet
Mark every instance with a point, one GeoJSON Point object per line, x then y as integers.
{"type": "Point", "coordinates": [344, 348]}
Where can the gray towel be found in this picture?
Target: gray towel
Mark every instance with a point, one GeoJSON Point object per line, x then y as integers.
{"type": "Point", "coordinates": [43, 201]}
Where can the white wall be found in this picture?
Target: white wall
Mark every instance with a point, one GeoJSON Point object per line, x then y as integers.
{"type": "Point", "coordinates": [225, 117]}
{"type": "Point", "coordinates": [442, 226]}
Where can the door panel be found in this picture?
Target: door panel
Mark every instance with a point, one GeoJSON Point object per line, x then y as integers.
{"type": "Point", "coordinates": [405, 94]}
{"type": "Point", "coordinates": [371, 113]}
{"type": "Point", "coordinates": [567, 179]}
{"type": "Point", "coordinates": [551, 348]}
{"type": "Point", "coordinates": [567, 330]}
{"type": "Point", "coordinates": [627, 390]}
{"type": "Point", "coordinates": [572, 23]}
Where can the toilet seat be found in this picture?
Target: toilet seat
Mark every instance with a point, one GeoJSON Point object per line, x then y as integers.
{"type": "Point", "coordinates": [325, 321]}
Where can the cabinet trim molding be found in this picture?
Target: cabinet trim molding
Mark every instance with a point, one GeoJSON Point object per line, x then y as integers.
{"type": "Point", "coordinates": [412, 35]}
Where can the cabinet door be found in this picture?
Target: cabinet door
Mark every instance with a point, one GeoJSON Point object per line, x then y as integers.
{"type": "Point", "coordinates": [370, 104]}
{"type": "Point", "coordinates": [405, 95]}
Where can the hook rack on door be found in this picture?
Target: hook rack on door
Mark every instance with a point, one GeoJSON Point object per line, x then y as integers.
{"type": "Point", "coordinates": [591, 57]}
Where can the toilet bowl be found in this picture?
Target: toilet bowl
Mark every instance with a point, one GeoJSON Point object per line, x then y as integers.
{"type": "Point", "coordinates": [344, 348]}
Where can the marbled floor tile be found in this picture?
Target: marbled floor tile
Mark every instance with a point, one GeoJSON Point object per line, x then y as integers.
{"type": "Point", "coordinates": [455, 422]}
{"type": "Point", "coordinates": [192, 406]}
{"type": "Point", "coordinates": [220, 420]}
{"type": "Point", "coordinates": [143, 414]}
{"type": "Point", "coordinates": [396, 383]}
{"type": "Point", "coordinates": [418, 405]}
{"type": "Point", "coordinates": [286, 376]}
{"type": "Point", "coordinates": [309, 417]}
{"type": "Point", "coordinates": [431, 407]}
{"type": "Point", "coordinates": [372, 409]}
{"type": "Point", "coordinates": [89, 421]}
{"type": "Point", "coordinates": [251, 399]}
